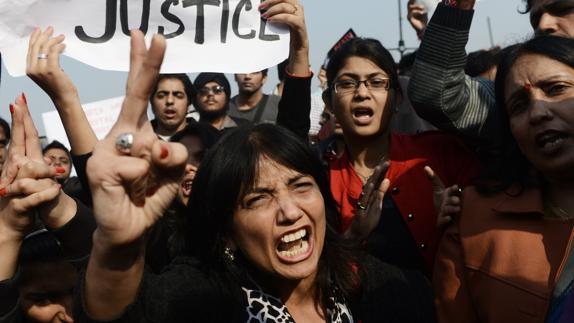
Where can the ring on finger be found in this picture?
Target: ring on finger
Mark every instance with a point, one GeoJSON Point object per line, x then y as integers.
{"type": "Point", "coordinates": [360, 206]}
{"type": "Point", "coordinates": [124, 142]}
{"type": "Point", "coordinates": [42, 56]}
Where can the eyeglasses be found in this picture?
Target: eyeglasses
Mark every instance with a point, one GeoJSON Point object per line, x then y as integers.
{"type": "Point", "coordinates": [347, 86]}
{"type": "Point", "coordinates": [217, 89]}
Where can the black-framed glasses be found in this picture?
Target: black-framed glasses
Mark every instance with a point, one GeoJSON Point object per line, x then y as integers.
{"type": "Point", "coordinates": [347, 86]}
{"type": "Point", "coordinates": [216, 89]}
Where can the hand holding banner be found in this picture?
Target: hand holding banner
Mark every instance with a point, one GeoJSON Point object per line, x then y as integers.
{"type": "Point", "coordinates": [203, 35]}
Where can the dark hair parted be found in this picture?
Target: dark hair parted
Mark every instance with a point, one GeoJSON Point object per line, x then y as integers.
{"type": "Point", "coordinates": [231, 168]}
{"type": "Point", "coordinates": [511, 166]}
{"type": "Point", "coordinates": [372, 50]}
{"type": "Point", "coordinates": [187, 85]}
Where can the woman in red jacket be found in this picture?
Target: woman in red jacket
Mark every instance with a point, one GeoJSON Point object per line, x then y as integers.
{"type": "Point", "coordinates": [364, 92]}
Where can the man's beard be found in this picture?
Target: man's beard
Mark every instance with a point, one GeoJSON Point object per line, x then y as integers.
{"type": "Point", "coordinates": [212, 115]}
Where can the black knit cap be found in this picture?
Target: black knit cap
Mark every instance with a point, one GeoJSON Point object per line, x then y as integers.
{"type": "Point", "coordinates": [219, 78]}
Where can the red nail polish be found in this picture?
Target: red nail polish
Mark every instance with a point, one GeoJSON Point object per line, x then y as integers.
{"type": "Point", "coordinates": [60, 170]}
{"type": "Point", "coordinates": [164, 152]}
{"type": "Point", "coordinates": [3, 192]}
{"type": "Point", "coordinates": [11, 108]}
{"type": "Point", "coordinates": [24, 98]}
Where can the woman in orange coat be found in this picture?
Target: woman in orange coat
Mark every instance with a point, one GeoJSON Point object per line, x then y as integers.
{"type": "Point", "coordinates": [508, 257]}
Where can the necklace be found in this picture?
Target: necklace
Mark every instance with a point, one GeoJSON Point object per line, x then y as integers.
{"type": "Point", "coordinates": [363, 177]}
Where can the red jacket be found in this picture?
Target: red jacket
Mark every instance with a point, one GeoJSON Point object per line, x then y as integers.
{"type": "Point", "coordinates": [410, 188]}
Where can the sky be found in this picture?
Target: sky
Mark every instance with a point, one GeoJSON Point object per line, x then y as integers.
{"type": "Point", "coordinates": [327, 20]}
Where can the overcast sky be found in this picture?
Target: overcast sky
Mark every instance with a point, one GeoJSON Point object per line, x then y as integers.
{"type": "Point", "coordinates": [327, 20]}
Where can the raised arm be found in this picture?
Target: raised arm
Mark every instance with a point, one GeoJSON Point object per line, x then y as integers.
{"type": "Point", "coordinates": [439, 90]}
{"type": "Point", "coordinates": [295, 104]}
{"type": "Point", "coordinates": [27, 186]}
{"type": "Point", "coordinates": [132, 183]}
{"type": "Point", "coordinates": [47, 73]}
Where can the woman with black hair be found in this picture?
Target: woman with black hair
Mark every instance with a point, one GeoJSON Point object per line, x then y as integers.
{"type": "Point", "coordinates": [363, 92]}
{"type": "Point", "coordinates": [508, 257]}
{"type": "Point", "coordinates": [265, 230]}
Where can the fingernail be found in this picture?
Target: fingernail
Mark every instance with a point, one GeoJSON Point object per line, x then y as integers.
{"type": "Point", "coordinates": [265, 16]}
{"type": "Point", "coordinates": [11, 108]}
{"type": "Point", "coordinates": [262, 6]}
{"type": "Point", "coordinates": [164, 152]}
{"type": "Point", "coordinates": [60, 170]}
{"type": "Point", "coordinates": [3, 192]}
{"type": "Point", "coordinates": [24, 98]}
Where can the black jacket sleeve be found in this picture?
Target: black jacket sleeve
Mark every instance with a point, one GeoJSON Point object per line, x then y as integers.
{"type": "Point", "coordinates": [295, 105]}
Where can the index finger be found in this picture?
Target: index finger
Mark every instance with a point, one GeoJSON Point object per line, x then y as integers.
{"type": "Point", "coordinates": [17, 145]}
{"type": "Point", "coordinates": [31, 139]}
{"type": "Point", "coordinates": [374, 182]}
{"type": "Point", "coordinates": [436, 182]}
{"type": "Point", "coordinates": [140, 87]}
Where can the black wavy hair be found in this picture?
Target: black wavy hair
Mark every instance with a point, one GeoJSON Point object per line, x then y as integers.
{"type": "Point", "coordinates": [231, 167]}
{"type": "Point", "coordinates": [510, 166]}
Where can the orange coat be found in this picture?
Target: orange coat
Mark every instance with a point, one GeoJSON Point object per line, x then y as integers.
{"type": "Point", "coordinates": [500, 261]}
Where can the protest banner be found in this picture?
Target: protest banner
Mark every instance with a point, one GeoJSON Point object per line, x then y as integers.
{"type": "Point", "coordinates": [202, 35]}
{"type": "Point", "coordinates": [101, 115]}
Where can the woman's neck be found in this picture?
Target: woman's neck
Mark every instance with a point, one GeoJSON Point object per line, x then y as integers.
{"type": "Point", "coordinates": [558, 196]}
{"type": "Point", "coordinates": [366, 153]}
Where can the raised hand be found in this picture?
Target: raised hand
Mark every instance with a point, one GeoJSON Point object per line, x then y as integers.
{"type": "Point", "coordinates": [447, 201]}
{"type": "Point", "coordinates": [26, 185]}
{"type": "Point", "coordinates": [418, 17]}
{"type": "Point", "coordinates": [290, 13]}
{"type": "Point", "coordinates": [134, 176]}
{"type": "Point", "coordinates": [131, 189]}
{"type": "Point", "coordinates": [461, 4]}
{"type": "Point", "coordinates": [370, 204]}
{"type": "Point", "coordinates": [43, 67]}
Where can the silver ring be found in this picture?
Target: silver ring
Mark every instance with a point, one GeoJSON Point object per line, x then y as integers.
{"type": "Point", "coordinates": [360, 206]}
{"type": "Point", "coordinates": [42, 56]}
{"type": "Point", "coordinates": [124, 142]}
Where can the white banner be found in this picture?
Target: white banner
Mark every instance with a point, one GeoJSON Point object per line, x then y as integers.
{"type": "Point", "coordinates": [101, 115]}
{"type": "Point", "coordinates": [226, 36]}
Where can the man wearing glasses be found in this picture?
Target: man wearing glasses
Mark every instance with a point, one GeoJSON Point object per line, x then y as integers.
{"type": "Point", "coordinates": [212, 101]}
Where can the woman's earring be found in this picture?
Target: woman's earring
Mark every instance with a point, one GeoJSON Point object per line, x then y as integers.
{"type": "Point", "coordinates": [229, 254]}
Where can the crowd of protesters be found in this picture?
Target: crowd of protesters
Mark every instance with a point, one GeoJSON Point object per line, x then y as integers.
{"type": "Point", "coordinates": [437, 189]}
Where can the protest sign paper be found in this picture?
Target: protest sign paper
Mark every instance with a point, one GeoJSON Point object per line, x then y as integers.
{"type": "Point", "coordinates": [202, 35]}
{"type": "Point", "coordinates": [101, 115]}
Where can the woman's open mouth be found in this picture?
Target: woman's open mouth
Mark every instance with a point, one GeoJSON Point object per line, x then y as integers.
{"type": "Point", "coordinates": [363, 116]}
{"type": "Point", "coordinates": [294, 246]}
{"type": "Point", "coordinates": [550, 141]}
